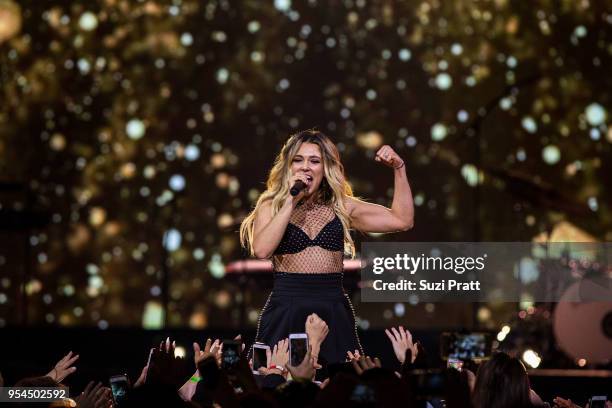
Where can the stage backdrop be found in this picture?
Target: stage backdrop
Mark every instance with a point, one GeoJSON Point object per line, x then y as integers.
{"type": "Point", "coordinates": [136, 135]}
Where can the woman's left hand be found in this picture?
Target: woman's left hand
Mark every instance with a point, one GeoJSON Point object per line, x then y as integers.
{"type": "Point", "coordinates": [388, 157]}
{"type": "Point", "coordinates": [64, 367]}
{"type": "Point", "coordinates": [401, 339]}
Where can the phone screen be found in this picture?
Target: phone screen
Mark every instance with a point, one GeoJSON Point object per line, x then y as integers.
{"type": "Point", "coordinates": [454, 363]}
{"type": "Point", "coordinates": [298, 348]}
{"type": "Point", "coordinates": [231, 354]}
{"type": "Point", "coordinates": [260, 359]}
{"type": "Point", "coordinates": [473, 346]}
{"type": "Point", "coordinates": [598, 402]}
{"type": "Point", "coordinates": [119, 388]}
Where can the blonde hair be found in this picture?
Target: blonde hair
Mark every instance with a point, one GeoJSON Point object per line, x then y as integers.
{"type": "Point", "coordinates": [333, 190]}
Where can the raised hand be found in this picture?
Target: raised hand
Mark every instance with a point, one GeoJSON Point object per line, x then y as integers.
{"type": "Point", "coordinates": [95, 396]}
{"type": "Point", "coordinates": [211, 348]}
{"type": "Point", "coordinates": [239, 338]}
{"type": "Point", "coordinates": [142, 378]}
{"type": "Point", "coordinates": [304, 178]}
{"type": "Point", "coordinates": [306, 369]}
{"type": "Point", "coordinates": [165, 367]}
{"type": "Point", "coordinates": [365, 363]}
{"type": "Point", "coordinates": [401, 339]}
{"type": "Point", "coordinates": [353, 356]}
{"type": "Point", "coordinates": [316, 329]}
{"type": "Point", "coordinates": [277, 358]}
{"type": "Point", "coordinates": [216, 349]}
{"type": "Point", "coordinates": [280, 353]}
{"type": "Point", "coordinates": [564, 403]}
{"type": "Point", "coordinates": [63, 368]}
{"type": "Point", "coordinates": [388, 157]}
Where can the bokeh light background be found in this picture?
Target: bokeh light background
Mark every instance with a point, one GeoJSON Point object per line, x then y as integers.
{"type": "Point", "coordinates": [137, 131]}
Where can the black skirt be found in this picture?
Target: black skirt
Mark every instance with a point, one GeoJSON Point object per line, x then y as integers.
{"type": "Point", "coordinates": [297, 295]}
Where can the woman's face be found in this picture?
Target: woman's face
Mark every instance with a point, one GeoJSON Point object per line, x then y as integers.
{"type": "Point", "coordinates": [309, 162]}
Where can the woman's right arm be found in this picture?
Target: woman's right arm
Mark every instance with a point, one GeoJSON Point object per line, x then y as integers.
{"type": "Point", "coordinates": [268, 231]}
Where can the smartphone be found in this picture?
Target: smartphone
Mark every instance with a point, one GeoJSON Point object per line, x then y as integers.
{"type": "Point", "coordinates": [461, 346]}
{"type": "Point", "coordinates": [231, 354]}
{"type": "Point", "coordinates": [120, 385]}
{"type": "Point", "coordinates": [298, 347]}
{"type": "Point", "coordinates": [598, 401]}
{"type": "Point", "coordinates": [260, 356]}
{"type": "Point", "coordinates": [363, 394]}
{"type": "Point", "coordinates": [454, 363]}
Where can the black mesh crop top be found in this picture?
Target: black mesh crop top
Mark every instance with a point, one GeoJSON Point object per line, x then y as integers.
{"type": "Point", "coordinates": [313, 241]}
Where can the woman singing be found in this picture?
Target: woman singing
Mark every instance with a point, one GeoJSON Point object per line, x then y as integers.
{"type": "Point", "coordinates": [307, 235]}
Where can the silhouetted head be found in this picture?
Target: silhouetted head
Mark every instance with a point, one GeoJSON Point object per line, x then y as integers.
{"type": "Point", "coordinates": [502, 382]}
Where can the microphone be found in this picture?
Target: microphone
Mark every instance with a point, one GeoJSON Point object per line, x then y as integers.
{"type": "Point", "coordinates": [297, 187]}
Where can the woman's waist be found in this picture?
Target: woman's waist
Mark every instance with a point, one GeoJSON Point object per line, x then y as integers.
{"type": "Point", "coordinates": [310, 262]}
{"type": "Point", "coordinates": [310, 284]}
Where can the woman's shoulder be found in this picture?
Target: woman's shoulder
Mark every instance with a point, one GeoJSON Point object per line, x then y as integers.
{"type": "Point", "coordinates": [265, 206]}
{"type": "Point", "coordinates": [350, 203]}
{"type": "Point", "coordinates": [266, 202]}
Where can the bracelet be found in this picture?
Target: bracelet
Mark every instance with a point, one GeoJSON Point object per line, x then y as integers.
{"type": "Point", "coordinates": [400, 166]}
{"type": "Point", "coordinates": [275, 367]}
{"type": "Point", "coordinates": [195, 379]}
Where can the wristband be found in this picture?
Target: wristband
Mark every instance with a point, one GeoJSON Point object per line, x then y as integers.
{"type": "Point", "coordinates": [275, 367]}
{"type": "Point", "coordinates": [400, 166]}
{"type": "Point", "coordinates": [195, 379]}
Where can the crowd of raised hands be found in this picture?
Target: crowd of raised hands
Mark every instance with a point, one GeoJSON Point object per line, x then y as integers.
{"type": "Point", "coordinates": [166, 381]}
